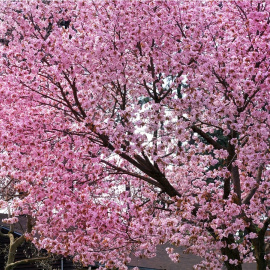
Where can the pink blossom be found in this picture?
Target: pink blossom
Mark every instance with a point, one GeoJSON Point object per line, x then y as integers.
{"type": "Point", "coordinates": [129, 124]}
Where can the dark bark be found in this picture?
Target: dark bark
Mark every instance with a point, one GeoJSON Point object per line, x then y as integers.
{"type": "Point", "coordinates": [259, 252]}
{"type": "Point", "coordinates": [260, 247]}
{"type": "Point", "coordinates": [235, 177]}
{"type": "Point", "coordinates": [232, 254]}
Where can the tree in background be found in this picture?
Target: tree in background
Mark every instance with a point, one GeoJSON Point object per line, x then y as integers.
{"type": "Point", "coordinates": [11, 241]}
{"type": "Point", "coordinates": [112, 155]}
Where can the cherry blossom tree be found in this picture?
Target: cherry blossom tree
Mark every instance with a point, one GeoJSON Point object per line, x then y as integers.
{"type": "Point", "coordinates": [129, 124]}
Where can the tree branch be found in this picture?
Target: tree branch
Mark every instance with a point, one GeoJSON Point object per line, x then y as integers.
{"type": "Point", "coordinates": [25, 261]}
{"type": "Point", "coordinates": [258, 180]}
{"type": "Point", "coordinates": [149, 180]}
{"type": "Point", "coordinates": [75, 91]}
{"type": "Point", "coordinates": [208, 138]}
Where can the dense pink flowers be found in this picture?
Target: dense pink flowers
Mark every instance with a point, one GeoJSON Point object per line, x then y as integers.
{"type": "Point", "coordinates": [128, 124]}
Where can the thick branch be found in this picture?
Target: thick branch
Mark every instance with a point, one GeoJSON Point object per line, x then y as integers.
{"type": "Point", "coordinates": [258, 180]}
{"type": "Point", "coordinates": [13, 245]}
{"type": "Point", "coordinates": [208, 138]}
{"type": "Point", "coordinates": [142, 164]}
{"type": "Point", "coordinates": [25, 261]}
{"type": "Point", "coordinates": [265, 226]}
{"type": "Point", "coordinates": [227, 188]}
{"type": "Point", "coordinates": [18, 242]}
{"type": "Point", "coordinates": [148, 180]}
{"type": "Point", "coordinates": [236, 182]}
{"type": "Point", "coordinates": [235, 177]}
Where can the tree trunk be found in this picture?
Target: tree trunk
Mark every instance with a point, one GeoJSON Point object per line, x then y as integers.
{"type": "Point", "coordinates": [232, 254]}
{"type": "Point", "coordinates": [259, 252]}
{"type": "Point", "coordinates": [13, 245]}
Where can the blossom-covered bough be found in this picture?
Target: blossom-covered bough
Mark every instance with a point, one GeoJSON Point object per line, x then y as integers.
{"type": "Point", "coordinates": [129, 124]}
